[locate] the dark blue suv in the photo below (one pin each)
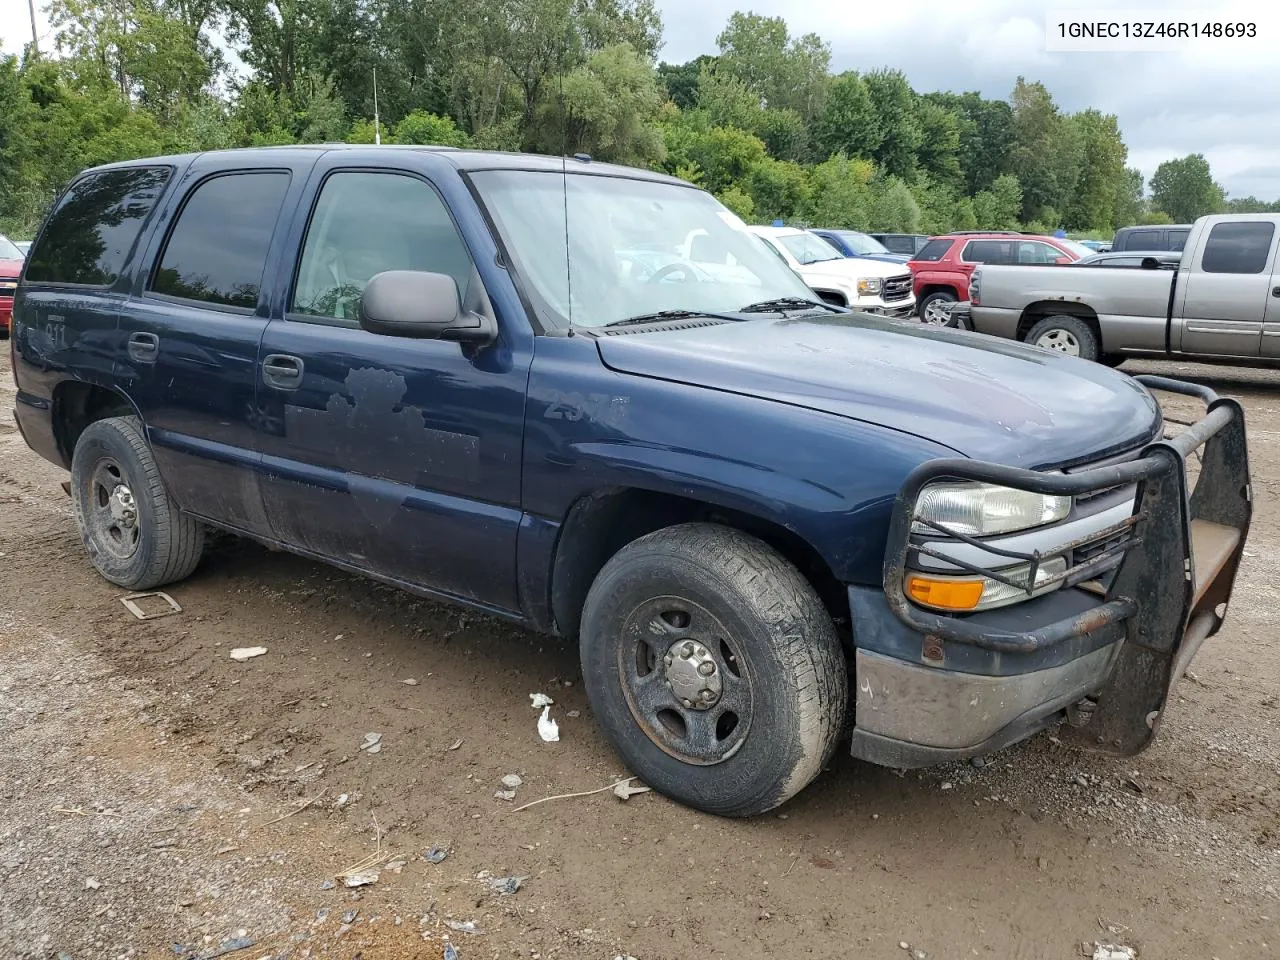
(587, 399)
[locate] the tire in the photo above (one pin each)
(934, 318)
(1112, 359)
(1064, 334)
(779, 667)
(136, 538)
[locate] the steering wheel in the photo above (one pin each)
(663, 272)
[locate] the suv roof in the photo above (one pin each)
(461, 158)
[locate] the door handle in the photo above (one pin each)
(144, 347)
(282, 371)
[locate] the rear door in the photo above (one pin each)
(391, 455)
(1225, 290)
(192, 326)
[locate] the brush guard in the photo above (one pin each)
(1177, 554)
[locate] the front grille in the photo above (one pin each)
(1128, 455)
(897, 288)
(1097, 548)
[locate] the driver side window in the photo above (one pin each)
(365, 223)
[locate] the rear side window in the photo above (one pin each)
(989, 251)
(217, 250)
(934, 250)
(1142, 240)
(1238, 248)
(93, 227)
(1178, 239)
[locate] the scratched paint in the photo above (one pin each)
(385, 445)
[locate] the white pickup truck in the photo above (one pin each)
(1223, 301)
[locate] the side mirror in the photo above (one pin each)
(1150, 263)
(413, 303)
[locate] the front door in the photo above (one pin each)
(1226, 289)
(191, 332)
(395, 456)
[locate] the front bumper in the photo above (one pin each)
(933, 687)
(897, 309)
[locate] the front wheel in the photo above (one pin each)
(713, 668)
(1065, 334)
(935, 309)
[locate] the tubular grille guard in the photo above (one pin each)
(1180, 556)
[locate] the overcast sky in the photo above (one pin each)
(1219, 99)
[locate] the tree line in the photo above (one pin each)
(763, 123)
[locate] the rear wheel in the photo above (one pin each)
(135, 536)
(713, 668)
(1065, 334)
(934, 310)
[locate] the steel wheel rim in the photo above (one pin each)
(685, 681)
(936, 314)
(113, 511)
(1063, 341)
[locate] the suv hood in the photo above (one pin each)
(983, 397)
(850, 269)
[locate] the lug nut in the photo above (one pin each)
(687, 703)
(701, 651)
(668, 660)
(686, 651)
(708, 695)
(706, 668)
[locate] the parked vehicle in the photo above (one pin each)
(867, 285)
(1097, 246)
(942, 269)
(854, 244)
(451, 371)
(908, 244)
(11, 259)
(1221, 299)
(1163, 237)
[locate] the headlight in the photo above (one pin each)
(869, 288)
(968, 592)
(983, 509)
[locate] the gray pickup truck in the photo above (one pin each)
(1223, 301)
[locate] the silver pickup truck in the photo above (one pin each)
(1223, 301)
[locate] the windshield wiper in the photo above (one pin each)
(788, 303)
(671, 315)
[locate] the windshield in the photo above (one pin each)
(809, 248)
(8, 251)
(635, 247)
(860, 243)
(1079, 249)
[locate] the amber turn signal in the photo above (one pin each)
(945, 594)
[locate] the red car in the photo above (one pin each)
(10, 267)
(942, 268)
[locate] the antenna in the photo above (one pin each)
(377, 128)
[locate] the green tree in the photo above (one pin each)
(785, 72)
(778, 189)
(1000, 207)
(848, 123)
(1048, 152)
(680, 80)
(609, 109)
(737, 200)
(939, 151)
(726, 155)
(840, 193)
(1129, 203)
(986, 136)
(893, 107)
(892, 206)
(1092, 205)
(428, 128)
(1185, 189)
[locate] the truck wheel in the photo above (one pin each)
(933, 308)
(1065, 334)
(713, 668)
(135, 537)
(1112, 359)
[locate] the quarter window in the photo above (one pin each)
(366, 223)
(933, 251)
(93, 227)
(217, 251)
(1242, 247)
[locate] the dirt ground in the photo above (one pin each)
(158, 799)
